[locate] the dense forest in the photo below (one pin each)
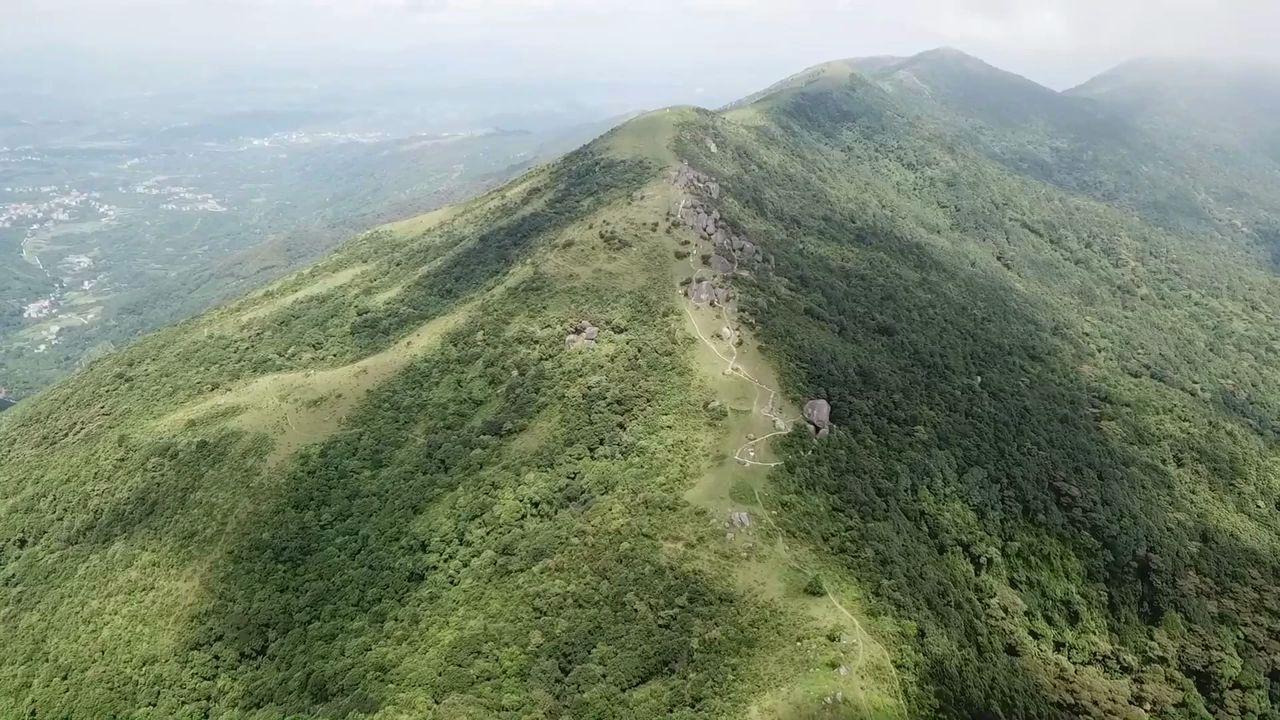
(395, 484)
(1057, 455)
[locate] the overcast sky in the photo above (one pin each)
(733, 45)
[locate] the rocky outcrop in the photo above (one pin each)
(693, 181)
(720, 264)
(584, 335)
(697, 188)
(818, 414)
(704, 292)
(701, 292)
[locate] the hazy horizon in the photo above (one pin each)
(704, 51)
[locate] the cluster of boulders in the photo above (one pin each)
(690, 180)
(818, 414)
(703, 292)
(584, 335)
(731, 249)
(739, 521)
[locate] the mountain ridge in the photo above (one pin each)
(1046, 487)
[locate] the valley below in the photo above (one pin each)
(102, 241)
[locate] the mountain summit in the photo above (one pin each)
(903, 389)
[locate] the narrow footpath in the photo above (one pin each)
(768, 404)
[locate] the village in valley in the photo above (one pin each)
(59, 231)
(149, 217)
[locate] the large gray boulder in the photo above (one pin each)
(701, 292)
(818, 413)
(720, 264)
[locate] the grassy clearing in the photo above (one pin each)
(320, 285)
(422, 223)
(300, 408)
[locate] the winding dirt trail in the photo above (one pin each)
(744, 452)
(863, 638)
(745, 456)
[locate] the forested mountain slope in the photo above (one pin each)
(539, 455)
(1235, 102)
(1221, 117)
(1189, 145)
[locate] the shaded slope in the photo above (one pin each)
(1188, 145)
(1071, 142)
(1034, 465)
(1220, 117)
(1236, 102)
